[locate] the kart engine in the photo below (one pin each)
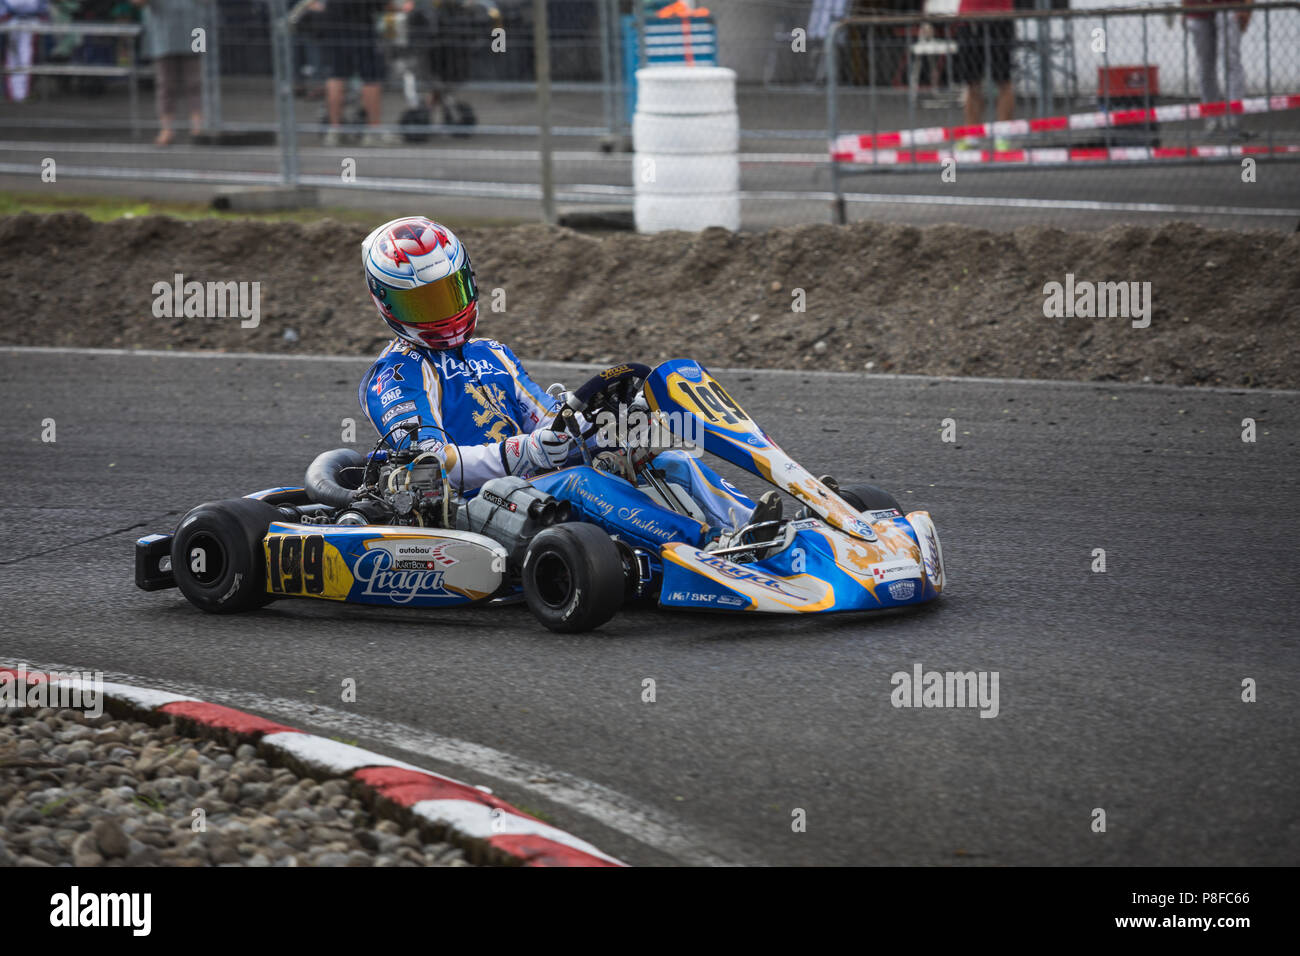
(410, 488)
(511, 512)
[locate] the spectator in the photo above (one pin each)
(446, 32)
(1216, 36)
(350, 47)
(21, 46)
(169, 39)
(984, 48)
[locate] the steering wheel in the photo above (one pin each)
(615, 386)
(605, 391)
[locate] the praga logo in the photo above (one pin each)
(381, 576)
(727, 569)
(453, 367)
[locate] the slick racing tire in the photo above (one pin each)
(870, 498)
(573, 577)
(217, 556)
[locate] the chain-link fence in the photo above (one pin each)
(439, 98)
(1102, 96)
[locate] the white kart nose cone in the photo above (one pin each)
(931, 550)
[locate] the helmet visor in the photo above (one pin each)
(433, 302)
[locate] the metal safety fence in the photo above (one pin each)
(1038, 91)
(838, 111)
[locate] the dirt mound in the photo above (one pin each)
(941, 300)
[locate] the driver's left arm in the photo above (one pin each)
(536, 408)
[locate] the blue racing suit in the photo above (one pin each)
(471, 399)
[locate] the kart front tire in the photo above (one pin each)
(573, 577)
(217, 556)
(866, 497)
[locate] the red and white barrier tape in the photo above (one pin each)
(1051, 155)
(843, 146)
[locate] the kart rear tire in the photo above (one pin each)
(869, 498)
(573, 577)
(232, 576)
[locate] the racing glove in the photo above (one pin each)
(538, 451)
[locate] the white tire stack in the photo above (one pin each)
(686, 132)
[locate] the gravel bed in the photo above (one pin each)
(107, 792)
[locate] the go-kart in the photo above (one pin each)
(576, 543)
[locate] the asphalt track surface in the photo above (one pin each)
(1117, 690)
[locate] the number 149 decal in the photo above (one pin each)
(712, 401)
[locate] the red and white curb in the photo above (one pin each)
(466, 815)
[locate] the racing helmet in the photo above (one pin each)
(420, 280)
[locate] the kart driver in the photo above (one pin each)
(420, 279)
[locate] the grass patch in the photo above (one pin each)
(533, 812)
(109, 208)
(150, 803)
(53, 805)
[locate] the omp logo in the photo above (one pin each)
(392, 395)
(730, 570)
(75, 909)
